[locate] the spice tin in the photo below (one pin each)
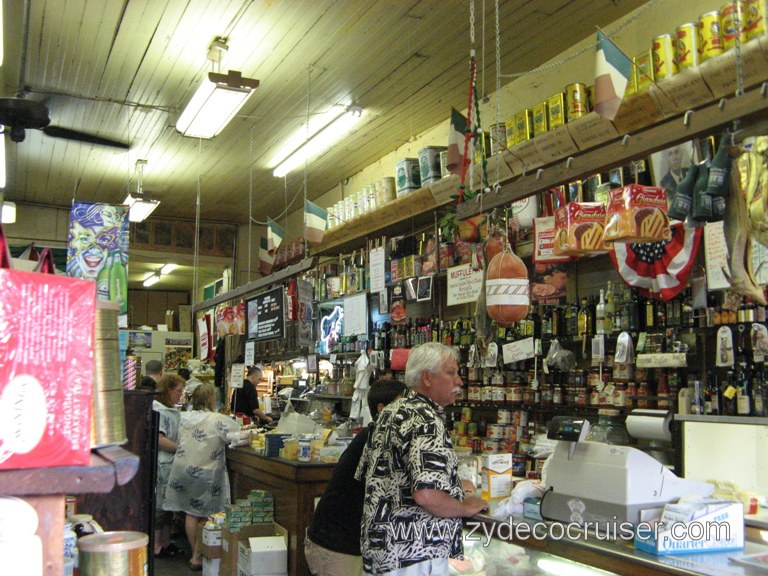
(444, 172)
(408, 176)
(757, 11)
(540, 118)
(510, 127)
(523, 125)
(305, 450)
(644, 70)
(429, 163)
(710, 38)
(687, 45)
(733, 23)
(576, 101)
(664, 64)
(556, 110)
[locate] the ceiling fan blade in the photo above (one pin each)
(59, 132)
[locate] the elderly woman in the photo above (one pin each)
(198, 484)
(169, 390)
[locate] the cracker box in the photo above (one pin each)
(210, 541)
(497, 475)
(46, 369)
(637, 214)
(579, 229)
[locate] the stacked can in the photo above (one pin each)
(107, 408)
(710, 39)
(733, 23)
(664, 64)
(687, 53)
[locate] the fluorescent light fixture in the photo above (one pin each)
(320, 141)
(139, 208)
(8, 210)
(168, 268)
(217, 100)
(151, 280)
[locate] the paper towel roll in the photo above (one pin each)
(649, 426)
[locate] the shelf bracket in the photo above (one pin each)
(625, 140)
(568, 162)
(764, 89)
(687, 117)
(721, 104)
(539, 172)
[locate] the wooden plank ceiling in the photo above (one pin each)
(124, 69)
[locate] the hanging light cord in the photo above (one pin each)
(195, 271)
(250, 198)
(306, 160)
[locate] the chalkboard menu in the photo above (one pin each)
(266, 316)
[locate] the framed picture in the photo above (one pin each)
(424, 289)
(670, 166)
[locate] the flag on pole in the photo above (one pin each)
(612, 70)
(275, 235)
(456, 131)
(266, 259)
(315, 221)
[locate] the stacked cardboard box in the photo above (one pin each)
(230, 544)
(257, 508)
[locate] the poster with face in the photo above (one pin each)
(97, 249)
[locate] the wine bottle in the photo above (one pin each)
(600, 314)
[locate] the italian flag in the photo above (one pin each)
(612, 70)
(266, 259)
(275, 235)
(315, 220)
(456, 131)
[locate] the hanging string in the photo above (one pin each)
(468, 132)
(250, 198)
(590, 48)
(482, 58)
(499, 145)
(195, 271)
(306, 160)
(283, 212)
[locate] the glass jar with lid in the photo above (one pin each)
(610, 428)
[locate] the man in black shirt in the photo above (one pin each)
(332, 545)
(245, 400)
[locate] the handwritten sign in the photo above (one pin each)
(720, 73)
(376, 270)
(518, 350)
(716, 256)
(524, 157)
(637, 111)
(555, 144)
(687, 89)
(250, 353)
(591, 130)
(266, 315)
(464, 284)
(356, 314)
(444, 190)
(237, 375)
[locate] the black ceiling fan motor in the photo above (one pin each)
(21, 113)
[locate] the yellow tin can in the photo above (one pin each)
(687, 45)
(540, 118)
(523, 125)
(576, 101)
(710, 39)
(757, 11)
(733, 23)
(663, 50)
(556, 110)
(498, 135)
(511, 134)
(483, 148)
(643, 69)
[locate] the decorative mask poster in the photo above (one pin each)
(97, 249)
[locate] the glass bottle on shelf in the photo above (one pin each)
(610, 309)
(600, 314)
(743, 379)
(711, 394)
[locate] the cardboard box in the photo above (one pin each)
(211, 535)
(209, 542)
(718, 526)
(230, 541)
(264, 554)
(497, 475)
(211, 566)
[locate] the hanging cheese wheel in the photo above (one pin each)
(507, 290)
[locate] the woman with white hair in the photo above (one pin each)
(411, 474)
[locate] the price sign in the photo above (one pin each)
(266, 315)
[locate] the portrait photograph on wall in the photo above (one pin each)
(670, 166)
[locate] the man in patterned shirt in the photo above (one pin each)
(414, 501)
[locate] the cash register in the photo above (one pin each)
(595, 482)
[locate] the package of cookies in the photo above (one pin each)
(637, 214)
(579, 229)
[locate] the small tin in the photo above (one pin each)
(687, 45)
(643, 70)
(444, 172)
(510, 127)
(504, 417)
(483, 148)
(576, 101)
(389, 188)
(408, 176)
(664, 64)
(523, 125)
(556, 110)
(429, 163)
(540, 118)
(305, 450)
(491, 446)
(733, 23)
(497, 431)
(498, 134)
(757, 11)
(710, 38)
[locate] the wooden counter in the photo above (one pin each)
(295, 486)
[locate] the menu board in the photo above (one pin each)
(266, 315)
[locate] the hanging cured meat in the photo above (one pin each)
(507, 288)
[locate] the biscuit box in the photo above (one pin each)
(579, 229)
(637, 214)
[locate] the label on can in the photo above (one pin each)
(710, 40)
(491, 446)
(576, 102)
(504, 417)
(733, 23)
(510, 127)
(757, 10)
(466, 414)
(687, 45)
(540, 125)
(519, 465)
(305, 450)
(663, 57)
(556, 110)
(523, 125)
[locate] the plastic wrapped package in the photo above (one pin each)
(513, 505)
(46, 369)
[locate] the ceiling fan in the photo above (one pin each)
(19, 115)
